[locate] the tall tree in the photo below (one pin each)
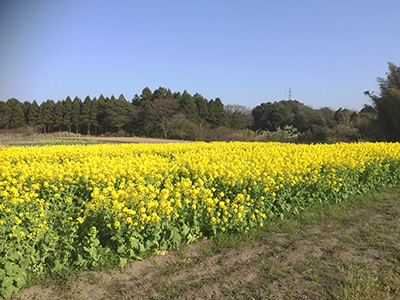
(220, 113)
(17, 118)
(122, 98)
(5, 115)
(202, 108)
(34, 117)
(162, 93)
(67, 114)
(85, 115)
(58, 116)
(94, 112)
(47, 111)
(387, 103)
(26, 107)
(102, 114)
(76, 114)
(118, 113)
(189, 106)
(211, 118)
(159, 115)
(136, 100)
(146, 97)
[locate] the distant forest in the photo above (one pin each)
(169, 115)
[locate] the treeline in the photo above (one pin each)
(162, 113)
(291, 120)
(184, 116)
(154, 114)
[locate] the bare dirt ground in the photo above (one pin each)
(350, 254)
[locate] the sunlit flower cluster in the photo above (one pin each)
(133, 197)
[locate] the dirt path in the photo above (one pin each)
(352, 254)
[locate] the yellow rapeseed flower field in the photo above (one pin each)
(77, 205)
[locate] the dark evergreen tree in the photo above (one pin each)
(26, 108)
(146, 97)
(58, 116)
(211, 112)
(136, 100)
(122, 98)
(17, 118)
(189, 106)
(85, 115)
(102, 114)
(101, 98)
(76, 114)
(94, 112)
(34, 117)
(67, 114)
(118, 113)
(202, 108)
(177, 97)
(5, 115)
(47, 109)
(137, 121)
(220, 113)
(162, 93)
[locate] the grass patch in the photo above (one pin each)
(54, 143)
(361, 281)
(272, 271)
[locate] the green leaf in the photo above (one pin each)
(93, 254)
(185, 229)
(123, 262)
(163, 245)
(175, 236)
(10, 268)
(2, 274)
(149, 244)
(14, 255)
(141, 248)
(58, 267)
(9, 290)
(131, 253)
(8, 281)
(135, 244)
(121, 249)
(20, 280)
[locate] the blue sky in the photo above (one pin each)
(244, 52)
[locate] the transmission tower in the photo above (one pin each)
(290, 94)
